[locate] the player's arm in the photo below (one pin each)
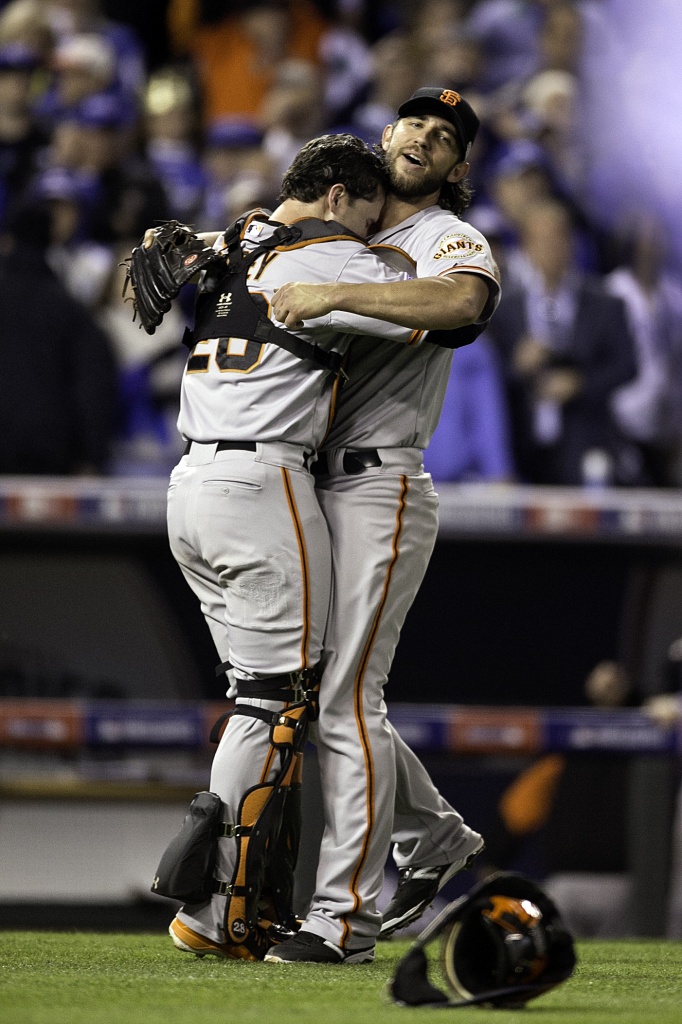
(428, 303)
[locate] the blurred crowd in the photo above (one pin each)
(114, 116)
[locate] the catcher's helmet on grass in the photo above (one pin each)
(502, 944)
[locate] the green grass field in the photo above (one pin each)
(82, 978)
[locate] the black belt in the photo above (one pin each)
(354, 462)
(225, 446)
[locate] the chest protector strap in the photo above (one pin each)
(225, 307)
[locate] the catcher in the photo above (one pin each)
(244, 523)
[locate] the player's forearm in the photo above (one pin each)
(431, 303)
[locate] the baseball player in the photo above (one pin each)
(382, 513)
(244, 522)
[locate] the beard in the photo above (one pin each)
(405, 187)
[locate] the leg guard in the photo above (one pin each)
(283, 854)
(256, 894)
(185, 871)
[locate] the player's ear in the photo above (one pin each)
(386, 136)
(458, 172)
(334, 196)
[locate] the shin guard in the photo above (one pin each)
(261, 889)
(283, 854)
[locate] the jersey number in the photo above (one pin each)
(232, 355)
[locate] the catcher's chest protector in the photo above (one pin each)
(226, 309)
(224, 306)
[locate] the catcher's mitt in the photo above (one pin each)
(158, 273)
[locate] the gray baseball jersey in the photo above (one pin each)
(394, 396)
(383, 523)
(247, 391)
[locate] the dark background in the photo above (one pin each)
(502, 622)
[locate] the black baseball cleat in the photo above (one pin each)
(306, 948)
(418, 888)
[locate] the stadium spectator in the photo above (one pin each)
(518, 179)
(539, 105)
(396, 71)
(26, 22)
(22, 141)
(69, 18)
(647, 409)
(565, 347)
(508, 32)
(560, 40)
(115, 188)
(236, 48)
(149, 370)
(346, 61)
(550, 99)
(84, 67)
(520, 173)
(81, 263)
(57, 401)
(292, 112)
(238, 173)
(457, 61)
(94, 141)
(173, 139)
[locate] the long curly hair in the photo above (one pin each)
(456, 196)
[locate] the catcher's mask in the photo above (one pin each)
(502, 944)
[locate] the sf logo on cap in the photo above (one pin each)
(450, 97)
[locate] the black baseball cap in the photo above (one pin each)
(448, 104)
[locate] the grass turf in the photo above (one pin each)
(79, 978)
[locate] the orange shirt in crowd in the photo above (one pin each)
(234, 74)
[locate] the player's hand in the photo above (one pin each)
(296, 301)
